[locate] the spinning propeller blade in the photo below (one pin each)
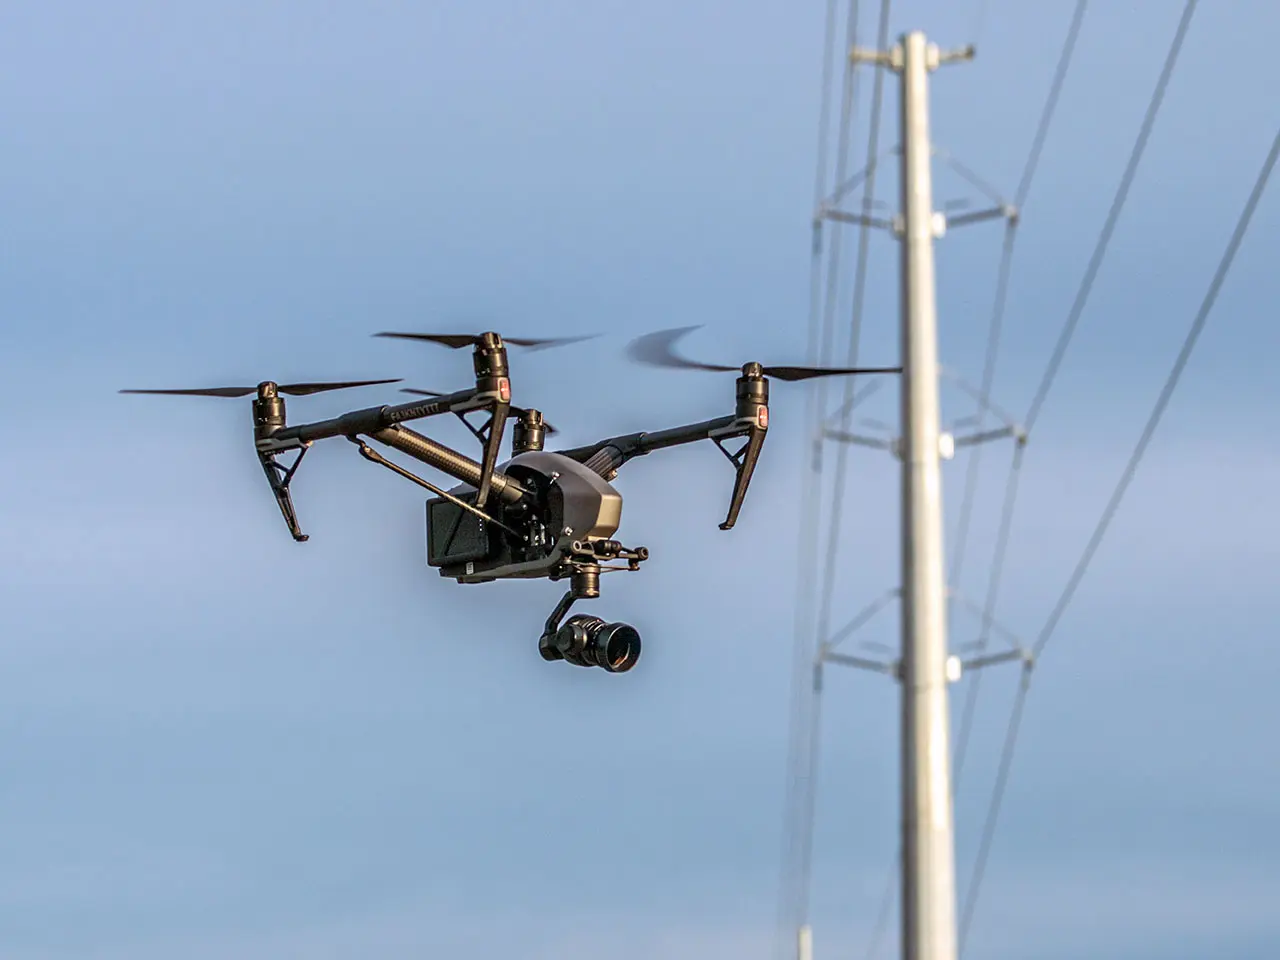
(457, 341)
(292, 389)
(657, 350)
(512, 413)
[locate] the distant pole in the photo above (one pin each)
(928, 853)
(928, 892)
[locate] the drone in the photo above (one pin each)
(540, 514)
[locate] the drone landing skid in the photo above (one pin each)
(280, 476)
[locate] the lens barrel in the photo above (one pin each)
(588, 641)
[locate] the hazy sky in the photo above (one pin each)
(218, 743)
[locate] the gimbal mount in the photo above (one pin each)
(588, 641)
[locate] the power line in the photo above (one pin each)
(859, 297)
(1162, 402)
(1011, 487)
(993, 811)
(811, 796)
(989, 609)
(994, 327)
(993, 342)
(1055, 91)
(882, 915)
(842, 455)
(979, 23)
(1068, 593)
(824, 127)
(1113, 216)
(801, 809)
(807, 724)
(970, 493)
(848, 97)
(799, 780)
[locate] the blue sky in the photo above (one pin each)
(220, 743)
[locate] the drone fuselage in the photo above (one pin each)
(540, 515)
(568, 510)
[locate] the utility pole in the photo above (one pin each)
(928, 838)
(928, 851)
(924, 667)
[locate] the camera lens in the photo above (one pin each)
(590, 642)
(617, 647)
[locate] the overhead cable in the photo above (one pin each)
(1108, 513)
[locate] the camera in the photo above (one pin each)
(587, 641)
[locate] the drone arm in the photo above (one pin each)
(689, 434)
(375, 421)
(493, 394)
(448, 461)
(607, 456)
(368, 421)
(750, 419)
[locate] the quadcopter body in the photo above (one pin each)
(539, 515)
(568, 512)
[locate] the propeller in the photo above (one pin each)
(457, 341)
(292, 389)
(656, 349)
(512, 412)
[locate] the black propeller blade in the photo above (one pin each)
(513, 412)
(292, 389)
(457, 341)
(657, 350)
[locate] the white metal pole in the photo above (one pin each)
(928, 855)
